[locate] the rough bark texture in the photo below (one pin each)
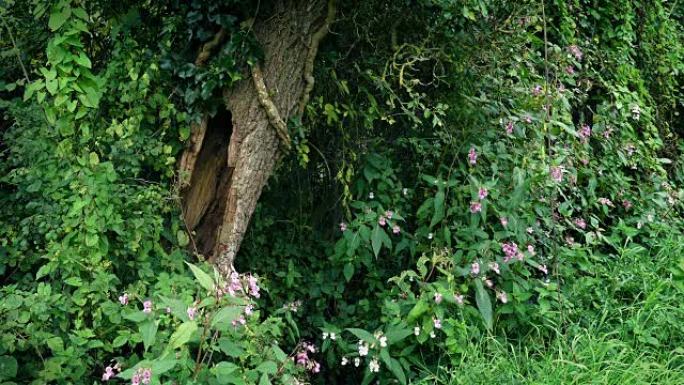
(220, 199)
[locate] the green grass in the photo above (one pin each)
(585, 359)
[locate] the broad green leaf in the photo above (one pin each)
(376, 239)
(362, 334)
(348, 271)
(161, 366)
(203, 278)
(418, 309)
(8, 367)
(264, 380)
(484, 303)
(57, 19)
(230, 348)
(397, 370)
(148, 331)
(225, 316)
(83, 60)
(182, 335)
(183, 238)
(439, 207)
(223, 369)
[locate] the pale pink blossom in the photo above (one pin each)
(475, 268)
(472, 156)
(493, 266)
(438, 298)
(482, 193)
(123, 299)
(147, 307)
(475, 207)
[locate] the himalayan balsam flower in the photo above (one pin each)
(489, 283)
(363, 349)
(249, 310)
(530, 249)
(458, 298)
(146, 376)
(344, 361)
(396, 229)
(543, 269)
(147, 307)
(382, 221)
(430, 235)
(389, 214)
(636, 112)
(108, 373)
(482, 194)
(537, 90)
(472, 156)
(404, 191)
(192, 311)
(509, 127)
(371, 195)
(383, 341)
(374, 366)
(530, 230)
(570, 70)
(416, 330)
(557, 174)
(253, 287)
(579, 222)
(437, 322)
(168, 310)
(333, 336)
(493, 266)
(527, 119)
(584, 161)
(510, 250)
(605, 202)
(475, 207)
(343, 227)
(576, 52)
(438, 298)
(475, 268)
(626, 204)
(135, 380)
(123, 299)
(502, 296)
(585, 132)
(432, 334)
(504, 221)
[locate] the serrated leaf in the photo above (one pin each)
(268, 367)
(376, 239)
(484, 304)
(225, 316)
(418, 309)
(182, 335)
(203, 278)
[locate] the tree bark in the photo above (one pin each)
(219, 201)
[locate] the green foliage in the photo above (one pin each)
(493, 195)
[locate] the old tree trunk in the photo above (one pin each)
(232, 155)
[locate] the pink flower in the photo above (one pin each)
(537, 90)
(527, 119)
(489, 283)
(123, 299)
(482, 194)
(543, 269)
(253, 287)
(576, 52)
(438, 298)
(389, 214)
(249, 309)
(557, 174)
(472, 156)
(109, 373)
(579, 222)
(510, 250)
(570, 70)
(607, 132)
(504, 221)
(509, 127)
(396, 229)
(475, 268)
(458, 298)
(530, 249)
(168, 310)
(475, 207)
(502, 296)
(343, 227)
(147, 307)
(135, 380)
(302, 358)
(569, 240)
(437, 322)
(316, 367)
(606, 202)
(191, 313)
(626, 204)
(585, 132)
(382, 221)
(493, 266)
(146, 376)
(584, 161)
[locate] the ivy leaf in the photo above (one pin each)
(182, 335)
(484, 303)
(203, 278)
(148, 331)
